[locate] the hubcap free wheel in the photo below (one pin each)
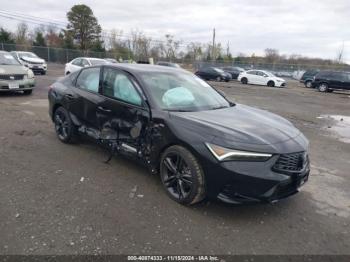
(177, 177)
(61, 125)
(308, 84)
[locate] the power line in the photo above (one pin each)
(61, 25)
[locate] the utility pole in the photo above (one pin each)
(213, 51)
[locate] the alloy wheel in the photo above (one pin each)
(61, 125)
(323, 87)
(177, 176)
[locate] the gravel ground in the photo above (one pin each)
(63, 199)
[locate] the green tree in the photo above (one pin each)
(6, 37)
(39, 39)
(84, 26)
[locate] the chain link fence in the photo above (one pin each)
(61, 55)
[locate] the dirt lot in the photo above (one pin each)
(62, 199)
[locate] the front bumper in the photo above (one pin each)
(281, 84)
(238, 182)
(37, 68)
(25, 84)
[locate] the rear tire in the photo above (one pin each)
(323, 87)
(271, 83)
(65, 129)
(308, 84)
(182, 176)
(28, 92)
(244, 81)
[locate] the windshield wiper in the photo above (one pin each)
(218, 107)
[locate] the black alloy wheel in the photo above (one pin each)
(182, 176)
(64, 126)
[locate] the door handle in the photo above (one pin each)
(69, 97)
(104, 109)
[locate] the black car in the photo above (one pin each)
(327, 81)
(308, 77)
(213, 73)
(201, 144)
(234, 71)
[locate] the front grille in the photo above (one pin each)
(293, 162)
(11, 77)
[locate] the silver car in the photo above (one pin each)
(14, 76)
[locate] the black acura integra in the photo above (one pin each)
(201, 144)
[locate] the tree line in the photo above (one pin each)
(83, 32)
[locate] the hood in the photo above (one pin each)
(241, 124)
(32, 60)
(13, 70)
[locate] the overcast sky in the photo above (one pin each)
(311, 28)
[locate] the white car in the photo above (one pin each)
(260, 77)
(80, 62)
(31, 60)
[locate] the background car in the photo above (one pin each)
(260, 77)
(14, 76)
(308, 77)
(80, 62)
(213, 73)
(201, 144)
(162, 63)
(31, 60)
(233, 70)
(327, 81)
(111, 60)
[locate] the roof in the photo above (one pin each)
(139, 68)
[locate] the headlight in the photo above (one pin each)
(30, 74)
(227, 154)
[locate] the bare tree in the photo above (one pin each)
(271, 55)
(340, 55)
(170, 47)
(194, 50)
(22, 34)
(140, 45)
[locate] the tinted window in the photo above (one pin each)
(88, 79)
(117, 85)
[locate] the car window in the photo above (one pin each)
(84, 62)
(251, 72)
(77, 62)
(117, 85)
(259, 73)
(88, 79)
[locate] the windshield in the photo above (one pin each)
(219, 70)
(98, 62)
(27, 54)
(269, 73)
(7, 59)
(182, 92)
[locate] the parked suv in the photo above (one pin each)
(308, 77)
(31, 60)
(326, 81)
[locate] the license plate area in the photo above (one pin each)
(13, 85)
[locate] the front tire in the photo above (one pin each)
(65, 129)
(244, 81)
(182, 176)
(28, 92)
(270, 84)
(323, 87)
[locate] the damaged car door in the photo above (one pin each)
(123, 114)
